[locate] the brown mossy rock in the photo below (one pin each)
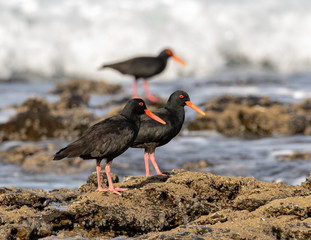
(33, 122)
(69, 100)
(87, 86)
(17, 154)
(181, 205)
(36, 119)
(43, 163)
(75, 121)
(253, 117)
(196, 165)
(165, 202)
(39, 159)
(295, 156)
(16, 198)
(292, 221)
(27, 214)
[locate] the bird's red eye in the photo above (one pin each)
(141, 104)
(181, 96)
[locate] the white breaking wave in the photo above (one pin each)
(74, 37)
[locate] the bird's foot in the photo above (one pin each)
(116, 190)
(152, 98)
(148, 175)
(159, 173)
(100, 189)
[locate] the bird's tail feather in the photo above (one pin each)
(102, 67)
(73, 150)
(60, 154)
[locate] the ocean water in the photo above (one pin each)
(237, 47)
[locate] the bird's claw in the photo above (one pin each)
(115, 190)
(100, 189)
(161, 174)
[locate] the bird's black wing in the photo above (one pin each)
(106, 139)
(157, 134)
(140, 67)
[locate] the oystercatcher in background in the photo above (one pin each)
(152, 135)
(108, 139)
(144, 67)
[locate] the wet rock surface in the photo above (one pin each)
(33, 121)
(36, 119)
(87, 86)
(187, 205)
(295, 156)
(34, 158)
(254, 117)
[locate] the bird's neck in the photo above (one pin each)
(133, 118)
(178, 110)
(164, 57)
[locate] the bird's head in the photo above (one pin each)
(182, 98)
(137, 106)
(167, 53)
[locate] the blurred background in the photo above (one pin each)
(55, 38)
(236, 47)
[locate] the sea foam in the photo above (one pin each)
(54, 37)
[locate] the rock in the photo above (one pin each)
(33, 121)
(70, 100)
(87, 86)
(26, 214)
(196, 165)
(295, 156)
(16, 155)
(37, 159)
(253, 117)
(262, 223)
(182, 205)
(15, 198)
(36, 119)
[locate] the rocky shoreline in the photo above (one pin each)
(187, 205)
(254, 117)
(181, 205)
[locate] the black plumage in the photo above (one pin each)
(144, 67)
(153, 135)
(108, 139)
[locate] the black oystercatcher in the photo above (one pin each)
(152, 135)
(108, 139)
(144, 67)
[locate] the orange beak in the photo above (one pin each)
(179, 60)
(153, 116)
(194, 107)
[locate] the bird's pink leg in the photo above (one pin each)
(149, 95)
(111, 188)
(152, 158)
(98, 169)
(134, 89)
(146, 157)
